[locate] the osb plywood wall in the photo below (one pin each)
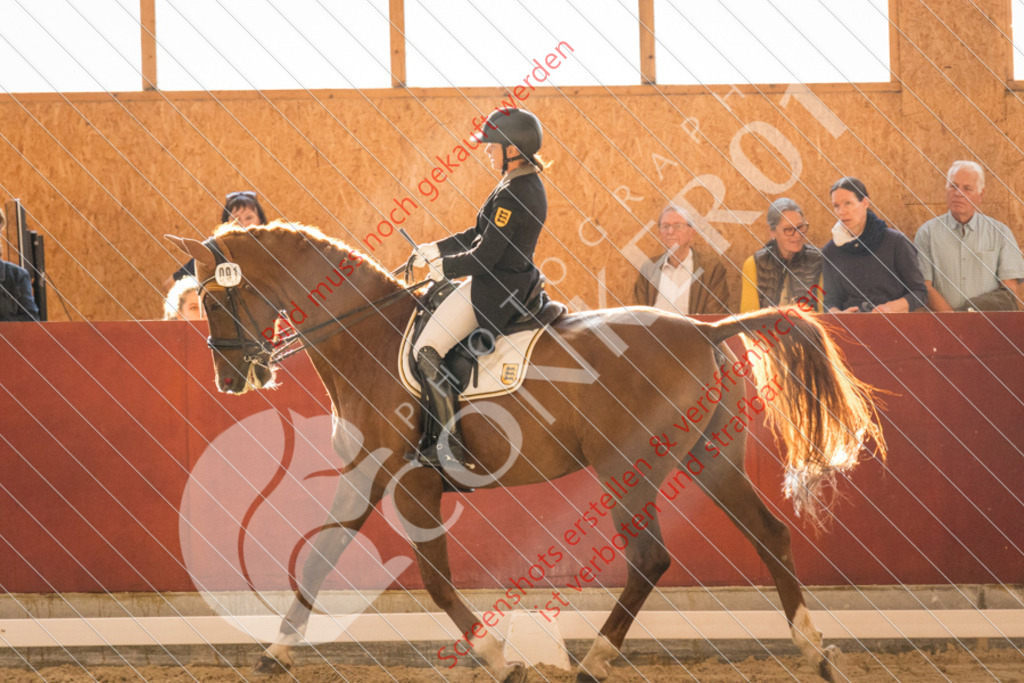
(104, 178)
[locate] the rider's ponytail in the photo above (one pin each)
(540, 162)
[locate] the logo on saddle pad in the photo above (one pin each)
(500, 372)
(501, 217)
(509, 372)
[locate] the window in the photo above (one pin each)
(457, 43)
(272, 44)
(69, 45)
(1017, 18)
(771, 41)
(94, 45)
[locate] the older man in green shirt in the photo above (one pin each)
(969, 260)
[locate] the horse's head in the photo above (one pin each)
(254, 279)
(240, 308)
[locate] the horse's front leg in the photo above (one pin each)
(355, 499)
(418, 500)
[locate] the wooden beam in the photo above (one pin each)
(647, 66)
(147, 22)
(896, 74)
(6, 99)
(397, 13)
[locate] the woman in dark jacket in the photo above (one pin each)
(497, 256)
(868, 265)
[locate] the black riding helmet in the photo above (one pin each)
(512, 126)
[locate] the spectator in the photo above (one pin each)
(182, 302)
(788, 267)
(868, 265)
(17, 303)
(239, 207)
(684, 279)
(969, 261)
(242, 208)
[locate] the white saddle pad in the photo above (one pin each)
(500, 372)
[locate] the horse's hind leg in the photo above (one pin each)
(648, 560)
(418, 501)
(725, 481)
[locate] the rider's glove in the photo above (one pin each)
(429, 252)
(436, 271)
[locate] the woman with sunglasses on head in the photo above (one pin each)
(240, 208)
(243, 209)
(787, 268)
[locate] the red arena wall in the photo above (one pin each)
(124, 470)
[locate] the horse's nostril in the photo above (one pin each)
(228, 381)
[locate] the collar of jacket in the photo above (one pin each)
(698, 258)
(869, 239)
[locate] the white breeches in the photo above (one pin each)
(452, 322)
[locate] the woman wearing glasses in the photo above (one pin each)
(787, 268)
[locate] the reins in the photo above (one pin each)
(301, 337)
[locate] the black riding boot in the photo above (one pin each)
(442, 442)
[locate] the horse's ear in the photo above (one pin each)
(195, 249)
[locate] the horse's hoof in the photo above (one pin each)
(516, 673)
(583, 677)
(827, 666)
(269, 666)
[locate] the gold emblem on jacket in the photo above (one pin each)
(501, 216)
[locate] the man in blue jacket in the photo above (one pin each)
(16, 300)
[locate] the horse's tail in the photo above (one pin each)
(823, 414)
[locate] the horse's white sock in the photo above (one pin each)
(597, 663)
(805, 636)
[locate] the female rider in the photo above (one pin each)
(496, 255)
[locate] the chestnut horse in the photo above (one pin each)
(644, 367)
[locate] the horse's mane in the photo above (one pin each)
(325, 244)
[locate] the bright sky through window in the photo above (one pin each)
(94, 45)
(458, 43)
(770, 41)
(69, 45)
(272, 45)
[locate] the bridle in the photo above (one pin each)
(255, 349)
(264, 352)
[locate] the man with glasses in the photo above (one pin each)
(788, 267)
(969, 261)
(684, 279)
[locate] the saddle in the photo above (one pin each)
(480, 365)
